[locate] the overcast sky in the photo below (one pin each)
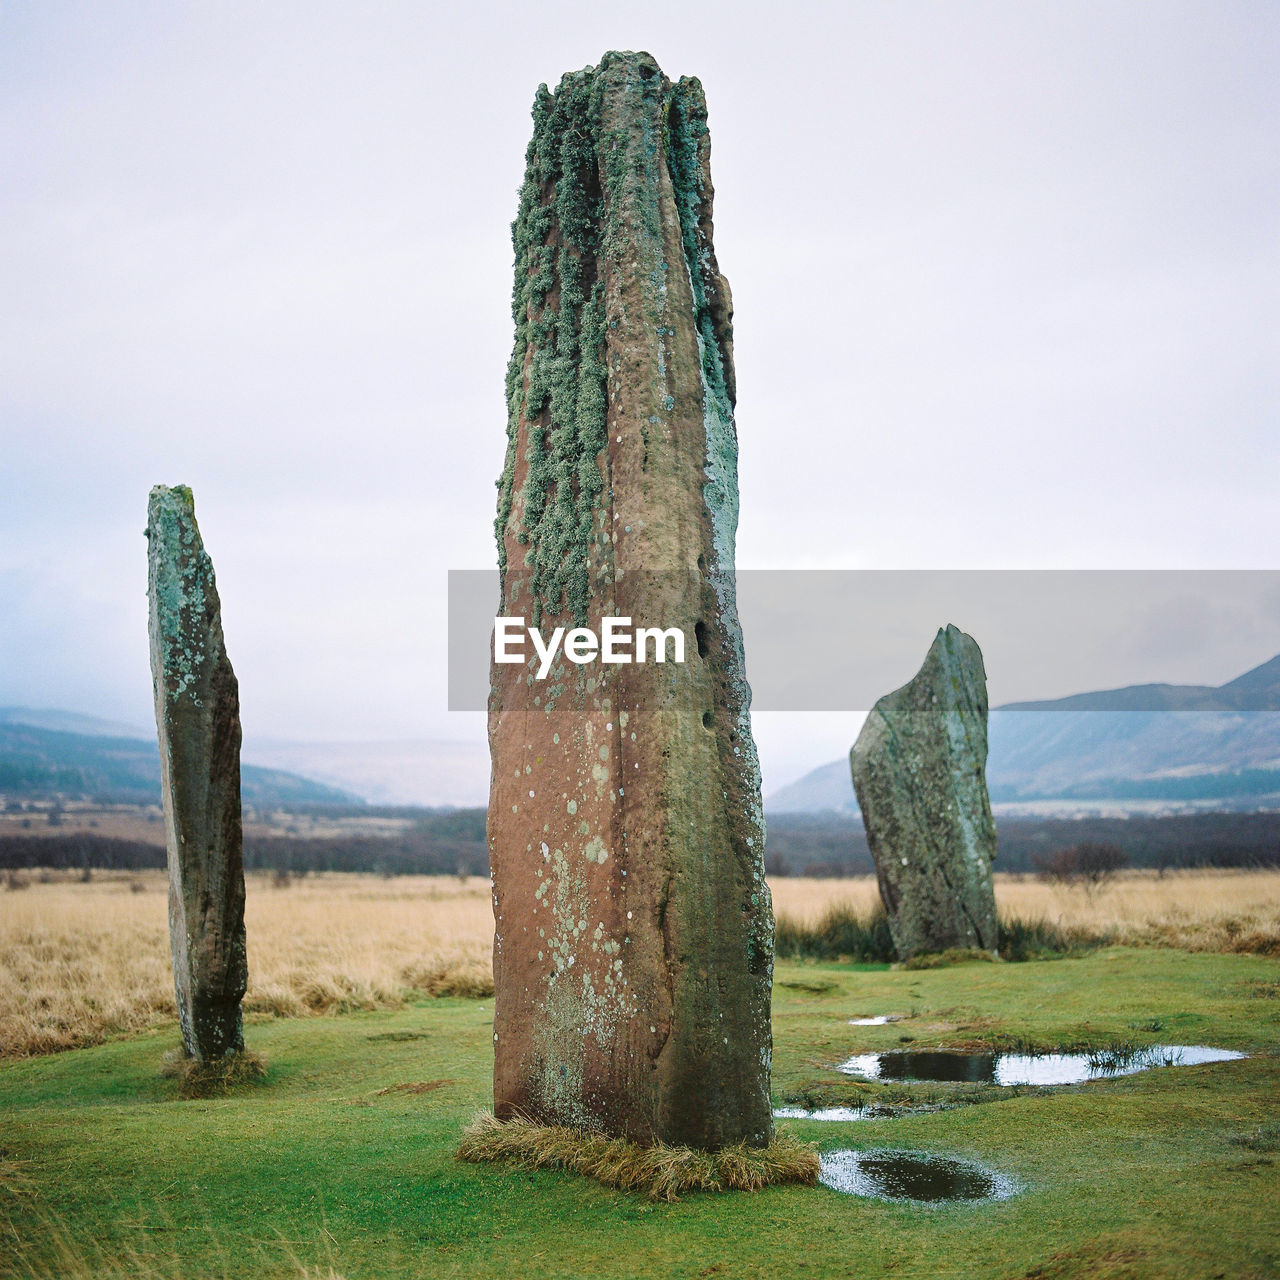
(1004, 278)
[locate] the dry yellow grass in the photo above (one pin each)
(1214, 910)
(82, 962)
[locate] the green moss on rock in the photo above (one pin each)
(556, 378)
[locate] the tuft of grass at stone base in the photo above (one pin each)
(660, 1172)
(213, 1079)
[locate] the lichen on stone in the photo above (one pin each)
(182, 586)
(556, 376)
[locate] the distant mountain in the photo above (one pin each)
(36, 760)
(70, 722)
(1179, 745)
(828, 788)
(403, 772)
(1255, 691)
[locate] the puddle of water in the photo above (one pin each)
(824, 1113)
(880, 1020)
(1027, 1069)
(911, 1175)
(874, 1111)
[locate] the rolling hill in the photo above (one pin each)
(97, 759)
(1179, 745)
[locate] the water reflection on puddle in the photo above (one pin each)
(880, 1020)
(911, 1175)
(1027, 1069)
(873, 1111)
(825, 1113)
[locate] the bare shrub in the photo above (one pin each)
(1097, 863)
(1089, 864)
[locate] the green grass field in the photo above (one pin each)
(322, 1171)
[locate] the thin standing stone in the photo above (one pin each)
(198, 721)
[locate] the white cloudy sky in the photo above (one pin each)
(1005, 279)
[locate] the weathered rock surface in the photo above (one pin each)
(919, 771)
(633, 954)
(198, 722)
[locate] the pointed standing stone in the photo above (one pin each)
(198, 722)
(919, 770)
(633, 954)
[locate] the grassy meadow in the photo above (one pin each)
(340, 1163)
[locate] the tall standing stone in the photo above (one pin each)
(198, 722)
(919, 771)
(633, 954)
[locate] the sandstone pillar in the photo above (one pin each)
(198, 722)
(633, 953)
